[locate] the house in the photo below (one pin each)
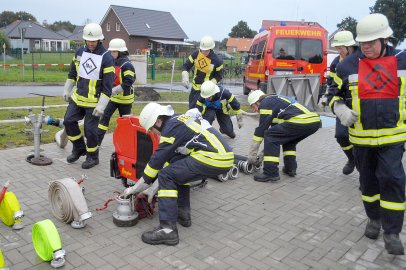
(33, 36)
(76, 37)
(145, 30)
(238, 44)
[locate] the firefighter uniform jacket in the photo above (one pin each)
(124, 76)
(375, 89)
(332, 73)
(206, 68)
(183, 132)
(276, 109)
(222, 101)
(93, 73)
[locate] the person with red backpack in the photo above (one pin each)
(122, 94)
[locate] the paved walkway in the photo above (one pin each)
(313, 221)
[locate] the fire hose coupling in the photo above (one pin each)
(57, 122)
(18, 220)
(245, 166)
(233, 172)
(125, 215)
(47, 243)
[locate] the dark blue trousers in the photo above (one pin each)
(382, 180)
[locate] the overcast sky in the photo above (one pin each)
(199, 18)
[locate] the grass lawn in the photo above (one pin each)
(15, 134)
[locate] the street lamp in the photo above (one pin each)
(22, 31)
(4, 56)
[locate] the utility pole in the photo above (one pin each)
(22, 34)
(4, 56)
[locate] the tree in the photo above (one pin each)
(349, 24)
(223, 44)
(25, 16)
(395, 11)
(59, 25)
(7, 17)
(4, 40)
(241, 30)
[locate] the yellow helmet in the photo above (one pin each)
(254, 96)
(151, 112)
(372, 27)
(343, 38)
(209, 89)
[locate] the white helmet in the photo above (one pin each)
(372, 27)
(343, 38)
(92, 32)
(151, 112)
(207, 43)
(209, 89)
(254, 96)
(117, 44)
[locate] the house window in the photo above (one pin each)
(117, 26)
(108, 27)
(150, 46)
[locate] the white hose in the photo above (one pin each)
(67, 201)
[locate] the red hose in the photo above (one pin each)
(106, 203)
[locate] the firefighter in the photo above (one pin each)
(369, 99)
(204, 154)
(215, 102)
(282, 122)
(122, 94)
(88, 90)
(207, 66)
(345, 44)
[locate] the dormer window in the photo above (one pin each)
(117, 26)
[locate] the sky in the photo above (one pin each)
(199, 18)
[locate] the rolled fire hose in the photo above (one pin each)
(68, 203)
(10, 211)
(2, 262)
(47, 243)
(61, 138)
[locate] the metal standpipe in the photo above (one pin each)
(36, 122)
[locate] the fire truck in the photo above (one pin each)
(286, 50)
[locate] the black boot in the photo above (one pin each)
(90, 163)
(166, 234)
(75, 155)
(349, 167)
(184, 218)
(261, 177)
(393, 244)
(291, 173)
(373, 228)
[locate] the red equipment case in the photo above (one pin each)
(133, 149)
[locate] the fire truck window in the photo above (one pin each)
(253, 52)
(311, 51)
(260, 50)
(285, 49)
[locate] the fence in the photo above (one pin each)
(54, 66)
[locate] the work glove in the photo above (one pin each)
(185, 79)
(252, 155)
(139, 186)
(347, 116)
(322, 102)
(151, 191)
(260, 157)
(239, 120)
(116, 90)
(68, 89)
(101, 105)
